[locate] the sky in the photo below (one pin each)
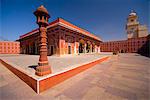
(104, 18)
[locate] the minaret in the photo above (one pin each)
(132, 25)
(42, 16)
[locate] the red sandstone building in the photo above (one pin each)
(124, 46)
(137, 42)
(63, 38)
(8, 47)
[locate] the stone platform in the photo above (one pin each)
(62, 67)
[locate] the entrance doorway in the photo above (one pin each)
(122, 51)
(51, 50)
(27, 49)
(69, 49)
(81, 48)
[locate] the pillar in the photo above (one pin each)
(91, 48)
(43, 66)
(75, 49)
(85, 48)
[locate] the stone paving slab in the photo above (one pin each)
(27, 63)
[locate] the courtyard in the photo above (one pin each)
(28, 63)
(121, 77)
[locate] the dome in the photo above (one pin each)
(42, 9)
(133, 13)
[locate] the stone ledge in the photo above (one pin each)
(40, 85)
(23, 76)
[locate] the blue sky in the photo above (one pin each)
(105, 18)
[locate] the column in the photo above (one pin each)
(43, 67)
(85, 48)
(75, 44)
(99, 49)
(91, 48)
(95, 49)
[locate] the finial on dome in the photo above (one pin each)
(42, 6)
(132, 11)
(42, 10)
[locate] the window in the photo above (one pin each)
(45, 18)
(143, 41)
(40, 17)
(132, 29)
(132, 20)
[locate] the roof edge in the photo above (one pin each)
(59, 19)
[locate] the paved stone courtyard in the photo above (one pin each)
(27, 63)
(123, 77)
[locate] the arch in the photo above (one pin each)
(81, 46)
(88, 47)
(93, 47)
(51, 46)
(82, 41)
(122, 51)
(88, 42)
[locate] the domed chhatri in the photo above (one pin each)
(41, 10)
(42, 16)
(133, 13)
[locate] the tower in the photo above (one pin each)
(132, 25)
(42, 16)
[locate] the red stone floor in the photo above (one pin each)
(123, 77)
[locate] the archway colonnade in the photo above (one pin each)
(79, 46)
(86, 47)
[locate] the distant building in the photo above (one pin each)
(63, 38)
(124, 46)
(133, 27)
(138, 38)
(9, 47)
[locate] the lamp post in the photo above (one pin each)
(42, 16)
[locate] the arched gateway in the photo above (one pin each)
(63, 38)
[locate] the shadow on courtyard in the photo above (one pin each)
(33, 66)
(145, 49)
